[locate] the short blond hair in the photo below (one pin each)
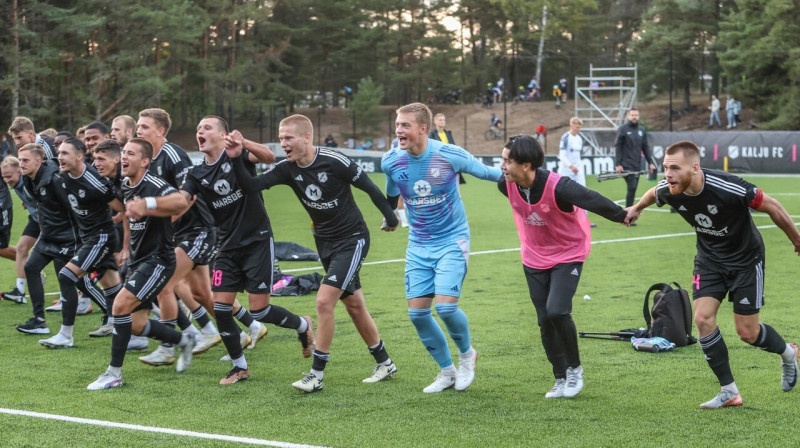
(11, 161)
(160, 116)
(300, 122)
(420, 111)
(21, 124)
(127, 121)
(576, 120)
(49, 132)
(36, 149)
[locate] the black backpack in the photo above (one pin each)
(671, 314)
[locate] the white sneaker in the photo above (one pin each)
(84, 306)
(381, 372)
(723, 399)
(162, 356)
(56, 307)
(105, 381)
(205, 342)
(309, 383)
(466, 371)
(185, 358)
(442, 381)
(256, 335)
(103, 331)
(789, 374)
(558, 389)
(57, 341)
(244, 340)
(574, 381)
(138, 343)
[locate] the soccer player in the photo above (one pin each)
(89, 196)
(23, 133)
(245, 257)
(57, 235)
(425, 172)
(554, 231)
(150, 204)
(6, 219)
(107, 155)
(123, 128)
(321, 179)
(195, 238)
(95, 133)
(729, 260)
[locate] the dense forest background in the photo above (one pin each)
(66, 63)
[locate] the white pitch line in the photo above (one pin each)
(176, 432)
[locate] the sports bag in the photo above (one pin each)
(671, 315)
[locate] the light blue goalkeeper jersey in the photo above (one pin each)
(428, 184)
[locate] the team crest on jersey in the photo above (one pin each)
(72, 201)
(222, 187)
(226, 167)
(435, 172)
(160, 172)
(323, 177)
(42, 191)
(313, 192)
(422, 188)
(703, 220)
(712, 209)
(81, 193)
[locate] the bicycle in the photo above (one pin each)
(482, 102)
(493, 133)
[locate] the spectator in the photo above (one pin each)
(330, 142)
(737, 111)
(714, 108)
(564, 86)
(5, 149)
(557, 95)
(730, 106)
(498, 91)
(541, 135)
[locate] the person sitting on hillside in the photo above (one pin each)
(330, 142)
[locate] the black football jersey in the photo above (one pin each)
(323, 188)
(727, 237)
(56, 224)
(150, 235)
(240, 218)
(172, 164)
(88, 196)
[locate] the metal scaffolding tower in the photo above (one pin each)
(603, 98)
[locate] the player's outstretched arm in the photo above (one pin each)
(364, 183)
(781, 218)
(249, 183)
(635, 210)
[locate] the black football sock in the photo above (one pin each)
(717, 356)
